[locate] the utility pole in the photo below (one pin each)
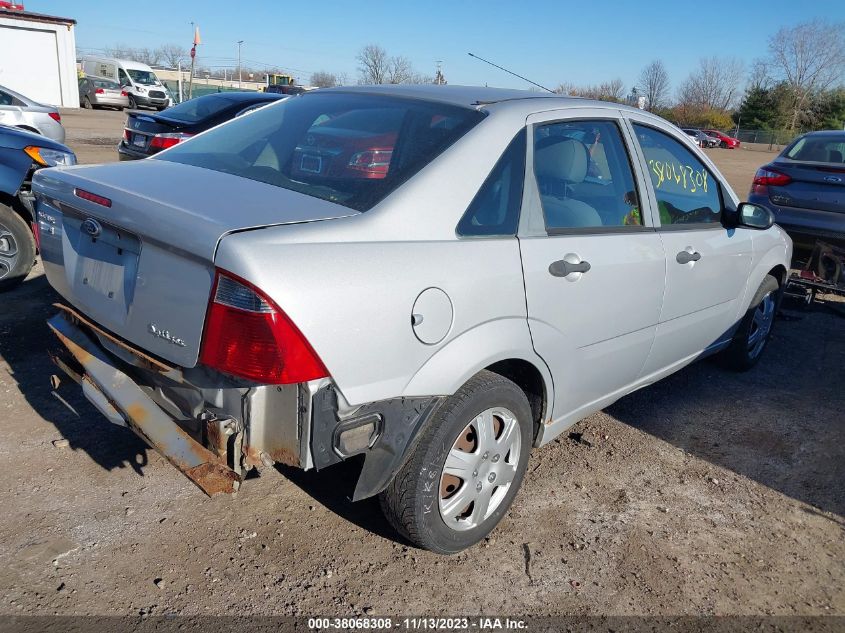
(193, 59)
(239, 63)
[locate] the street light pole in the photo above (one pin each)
(239, 63)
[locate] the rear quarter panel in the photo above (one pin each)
(353, 301)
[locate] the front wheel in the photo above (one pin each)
(133, 105)
(755, 329)
(463, 474)
(17, 248)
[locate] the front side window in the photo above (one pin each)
(584, 176)
(351, 149)
(686, 191)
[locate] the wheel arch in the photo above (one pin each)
(527, 377)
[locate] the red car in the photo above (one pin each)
(728, 142)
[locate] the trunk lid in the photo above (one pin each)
(143, 267)
(817, 186)
(141, 127)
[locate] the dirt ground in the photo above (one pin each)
(708, 493)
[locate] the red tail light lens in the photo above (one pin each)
(767, 177)
(248, 335)
(163, 141)
(372, 163)
(92, 197)
(99, 91)
(127, 135)
(55, 116)
(123, 93)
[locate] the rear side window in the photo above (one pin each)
(351, 149)
(495, 208)
(686, 191)
(584, 176)
(8, 100)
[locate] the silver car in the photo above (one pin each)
(22, 112)
(99, 92)
(436, 278)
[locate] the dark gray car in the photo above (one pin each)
(805, 188)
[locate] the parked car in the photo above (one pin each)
(98, 92)
(805, 188)
(438, 320)
(142, 86)
(701, 138)
(146, 134)
(21, 154)
(725, 141)
(19, 111)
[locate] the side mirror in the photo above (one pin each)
(754, 216)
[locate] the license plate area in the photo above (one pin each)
(311, 163)
(102, 268)
(139, 140)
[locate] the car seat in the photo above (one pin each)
(563, 161)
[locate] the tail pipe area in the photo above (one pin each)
(122, 401)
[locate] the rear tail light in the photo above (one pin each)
(92, 197)
(767, 177)
(99, 91)
(127, 134)
(36, 233)
(163, 141)
(123, 93)
(372, 163)
(248, 335)
(55, 116)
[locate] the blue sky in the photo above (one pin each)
(549, 42)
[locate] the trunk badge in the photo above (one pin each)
(92, 227)
(156, 331)
(832, 179)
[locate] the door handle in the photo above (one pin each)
(563, 268)
(685, 257)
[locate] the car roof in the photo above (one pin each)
(824, 133)
(470, 96)
(18, 95)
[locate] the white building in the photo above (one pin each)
(38, 57)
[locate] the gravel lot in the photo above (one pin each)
(708, 493)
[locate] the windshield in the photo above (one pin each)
(198, 109)
(143, 77)
(352, 149)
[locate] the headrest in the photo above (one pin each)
(565, 159)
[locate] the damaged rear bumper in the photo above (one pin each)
(121, 400)
(214, 429)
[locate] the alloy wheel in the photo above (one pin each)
(8, 252)
(761, 325)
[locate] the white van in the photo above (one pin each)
(140, 82)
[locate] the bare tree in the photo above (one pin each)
(400, 71)
(323, 79)
(373, 65)
(148, 56)
(654, 85)
(760, 77)
(173, 55)
(612, 90)
(810, 57)
(714, 85)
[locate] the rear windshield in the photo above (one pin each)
(198, 109)
(351, 149)
(106, 84)
(830, 149)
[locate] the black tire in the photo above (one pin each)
(160, 108)
(743, 353)
(86, 103)
(133, 105)
(723, 145)
(411, 502)
(17, 248)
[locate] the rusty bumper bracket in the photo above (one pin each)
(141, 414)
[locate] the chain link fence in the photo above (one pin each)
(775, 139)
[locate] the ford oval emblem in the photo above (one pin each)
(92, 227)
(832, 179)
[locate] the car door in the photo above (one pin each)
(593, 264)
(707, 264)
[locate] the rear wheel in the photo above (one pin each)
(17, 248)
(466, 468)
(755, 329)
(86, 103)
(723, 145)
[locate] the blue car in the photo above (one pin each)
(21, 154)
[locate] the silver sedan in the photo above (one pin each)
(19, 111)
(434, 278)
